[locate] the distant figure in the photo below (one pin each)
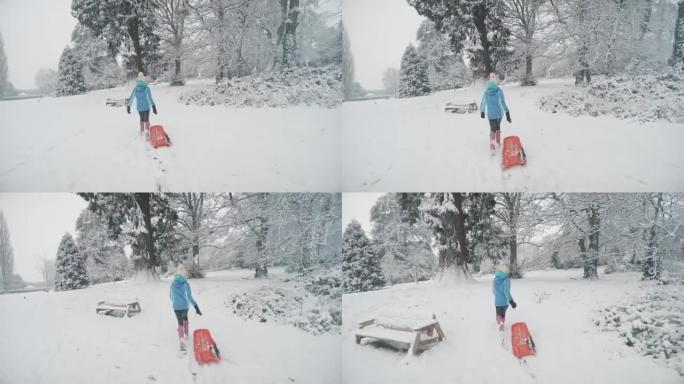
(502, 294)
(143, 95)
(181, 297)
(494, 103)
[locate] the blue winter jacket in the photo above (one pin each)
(502, 289)
(493, 102)
(143, 95)
(181, 294)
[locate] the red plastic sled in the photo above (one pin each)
(158, 137)
(205, 347)
(513, 153)
(521, 341)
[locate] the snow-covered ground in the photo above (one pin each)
(413, 145)
(76, 143)
(56, 337)
(560, 309)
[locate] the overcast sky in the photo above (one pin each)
(37, 222)
(379, 31)
(357, 206)
(35, 32)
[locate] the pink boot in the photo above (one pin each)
(497, 138)
(185, 328)
(500, 322)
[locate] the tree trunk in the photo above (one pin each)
(591, 258)
(479, 16)
(678, 45)
(646, 20)
(583, 74)
(528, 79)
(290, 13)
(221, 60)
(261, 265)
(652, 267)
(150, 257)
(134, 34)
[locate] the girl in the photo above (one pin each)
(502, 294)
(494, 103)
(181, 297)
(143, 95)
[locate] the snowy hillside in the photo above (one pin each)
(58, 338)
(412, 144)
(560, 309)
(76, 143)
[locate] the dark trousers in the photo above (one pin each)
(495, 125)
(501, 311)
(181, 316)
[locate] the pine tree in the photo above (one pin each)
(360, 266)
(478, 21)
(70, 80)
(71, 266)
(122, 24)
(413, 78)
(678, 46)
(446, 69)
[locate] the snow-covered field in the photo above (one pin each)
(560, 309)
(413, 145)
(76, 143)
(56, 337)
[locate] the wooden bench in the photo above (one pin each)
(417, 334)
(459, 107)
(108, 306)
(116, 102)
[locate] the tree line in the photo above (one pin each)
(123, 235)
(451, 235)
(174, 39)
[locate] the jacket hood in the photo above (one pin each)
(179, 279)
(492, 87)
(500, 276)
(140, 84)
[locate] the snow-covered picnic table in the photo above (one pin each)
(416, 331)
(118, 304)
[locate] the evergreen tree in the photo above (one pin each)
(145, 221)
(70, 80)
(484, 238)
(413, 78)
(360, 266)
(121, 23)
(479, 22)
(446, 69)
(403, 246)
(446, 215)
(100, 69)
(678, 46)
(105, 258)
(71, 266)
(3, 68)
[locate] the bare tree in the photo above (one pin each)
(172, 15)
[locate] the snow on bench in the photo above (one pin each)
(460, 106)
(116, 102)
(111, 305)
(416, 329)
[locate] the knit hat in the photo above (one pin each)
(141, 76)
